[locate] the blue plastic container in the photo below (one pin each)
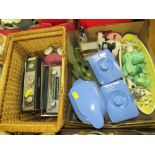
(87, 102)
(119, 102)
(105, 67)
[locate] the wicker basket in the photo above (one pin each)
(18, 47)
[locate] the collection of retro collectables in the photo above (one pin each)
(113, 79)
(126, 95)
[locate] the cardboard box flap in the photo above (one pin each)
(152, 33)
(123, 28)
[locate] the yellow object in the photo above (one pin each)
(148, 108)
(88, 74)
(28, 92)
(75, 95)
(83, 69)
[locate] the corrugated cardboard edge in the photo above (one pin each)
(152, 33)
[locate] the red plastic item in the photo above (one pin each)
(87, 23)
(6, 32)
(39, 26)
(52, 21)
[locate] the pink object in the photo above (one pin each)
(114, 36)
(53, 59)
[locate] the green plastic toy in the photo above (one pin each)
(134, 66)
(140, 81)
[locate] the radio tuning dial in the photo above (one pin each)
(29, 99)
(54, 72)
(52, 104)
(30, 81)
(31, 66)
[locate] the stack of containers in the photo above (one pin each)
(110, 95)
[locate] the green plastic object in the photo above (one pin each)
(125, 72)
(129, 66)
(133, 63)
(137, 57)
(127, 57)
(141, 67)
(145, 103)
(135, 71)
(142, 80)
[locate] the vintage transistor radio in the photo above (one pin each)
(50, 90)
(32, 85)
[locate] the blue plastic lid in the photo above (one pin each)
(119, 102)
(87, 102)
(105, 67)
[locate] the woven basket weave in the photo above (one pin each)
(18, 47)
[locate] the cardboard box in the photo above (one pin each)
(107, 132)
(146, 32)
(152, 34)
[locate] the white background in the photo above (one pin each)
(77, 145)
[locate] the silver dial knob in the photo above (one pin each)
(59, 51)
(52, 104)
(48, 51)
(54, 72)
(31, 66)
(29, 99)
(30, 81)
